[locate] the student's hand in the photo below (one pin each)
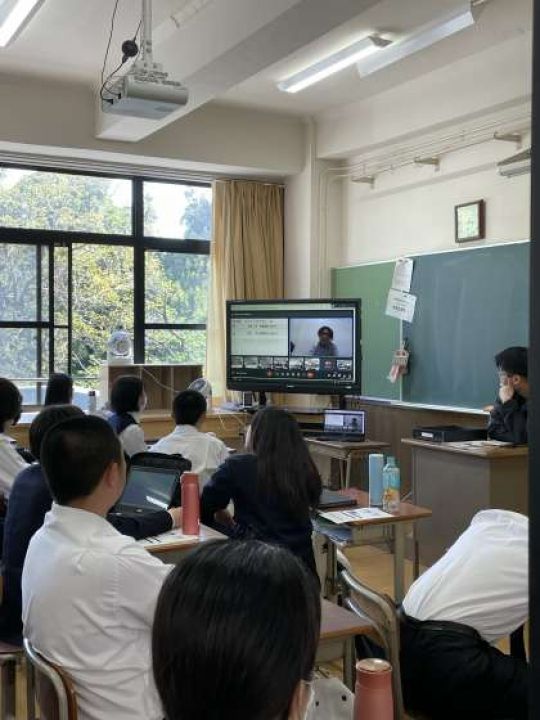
(506, 393)
(176, 515)
(224, 517)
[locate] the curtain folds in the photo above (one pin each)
(246, 259)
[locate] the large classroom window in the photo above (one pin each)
(81, 254)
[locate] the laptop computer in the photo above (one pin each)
(330, 500)
(344, 425)
(148, 489)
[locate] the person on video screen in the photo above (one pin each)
(325, 347)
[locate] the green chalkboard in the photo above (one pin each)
(470, 304)
(380, 333)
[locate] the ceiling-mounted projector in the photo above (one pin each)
(145, 91)
(145, 95)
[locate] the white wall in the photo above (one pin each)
(418, 216)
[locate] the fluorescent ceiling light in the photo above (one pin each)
(455, 21)
(14, 14)
(333, 63)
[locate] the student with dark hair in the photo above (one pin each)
(11, 462)
(30, 501)
(128, 399)
(273, 487)
(205, 451)
(235, 634)
(59, 390)
(325, 347)
(89, 592)
(508, 419)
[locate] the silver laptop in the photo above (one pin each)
(344, 425)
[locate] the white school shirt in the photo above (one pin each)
(205, 450)
(482, 580)
(89, 596)
(11, 464)
(132, 438)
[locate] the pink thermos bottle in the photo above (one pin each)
(190, 503)
(373, 692)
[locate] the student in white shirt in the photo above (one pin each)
(205, 450)
(476, 594)
(128, 399)
(88, 592)
(11, 463)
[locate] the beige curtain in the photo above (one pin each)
(246, 259)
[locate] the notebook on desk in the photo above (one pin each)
(344, 426)
(147, 489)
(330, 499)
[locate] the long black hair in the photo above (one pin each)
(125, 394)
(236, 629)
(59, 389)
(10, 403)
(286, 472)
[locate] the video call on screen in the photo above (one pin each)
(292, 344)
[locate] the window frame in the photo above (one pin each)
(135, 239)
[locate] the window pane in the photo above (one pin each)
(18, 282)
(180, 212)
(61, 201)
(175, 346)
(18, 358)
(176, 289)
(60, 351)
(61, 280)
(102, 299)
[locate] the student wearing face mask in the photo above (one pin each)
(128, 399)
(235, 634)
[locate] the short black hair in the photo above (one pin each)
(236, 627)
(10, 402)
(328, 330)
(125, 394)
(59, 390)
(74, 455)
(513, 361)
(188, 407)
(45, 420)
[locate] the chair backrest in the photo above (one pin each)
(54, 690)
(176, 461)
(381, 612)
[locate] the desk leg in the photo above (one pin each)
(349, 664)
(400, 530)
(416, 565)
(331, 572)
(348, 464)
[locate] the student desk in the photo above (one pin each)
(457, 481)
(170, 547)
(345, 453)
(338, 629)
(360, 532)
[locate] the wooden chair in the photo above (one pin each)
(380, 611)
(50, 686)
(10, 655)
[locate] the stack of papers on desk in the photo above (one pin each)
(345, 516)
(475, 444)
(167, 538)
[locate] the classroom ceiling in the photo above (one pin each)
(234, 51)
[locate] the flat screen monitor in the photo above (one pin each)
(304, 346)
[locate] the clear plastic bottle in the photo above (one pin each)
(391, 486)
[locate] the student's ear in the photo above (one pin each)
(114, 474)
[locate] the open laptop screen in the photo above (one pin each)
(345, 422)
(148, 488)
